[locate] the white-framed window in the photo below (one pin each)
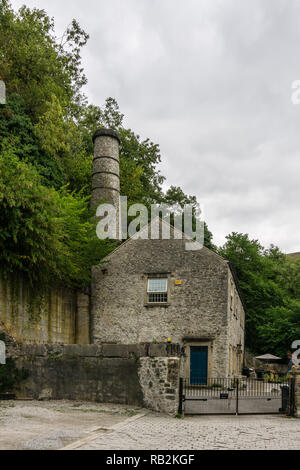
(157, 290)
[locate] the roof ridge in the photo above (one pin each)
(136, 236)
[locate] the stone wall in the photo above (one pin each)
(296, 374)
(135, 374)
(62, 318)
(159, 378)
(236, 329)
(196, 311)
(196, 308)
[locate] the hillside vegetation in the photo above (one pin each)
(47, 230)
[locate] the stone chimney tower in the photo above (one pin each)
(106, 173)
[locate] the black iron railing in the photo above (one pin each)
(238, 389)
(247, 387)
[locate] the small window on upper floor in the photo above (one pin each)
(157, 290)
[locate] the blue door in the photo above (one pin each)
(198, 365)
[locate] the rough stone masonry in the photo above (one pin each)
(202, 304)
(130, 360)
(136, 374)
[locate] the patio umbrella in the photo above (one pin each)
(267, 357)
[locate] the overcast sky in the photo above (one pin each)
(210, 81)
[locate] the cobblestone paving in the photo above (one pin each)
(157, 432)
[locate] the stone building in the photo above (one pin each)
(152, 290)
(145, 292)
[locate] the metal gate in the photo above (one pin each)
(236, 396)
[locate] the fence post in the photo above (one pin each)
(180, 395)
(295, 391)
(237, 398)
(291, 407)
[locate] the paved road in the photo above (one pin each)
(157, 432)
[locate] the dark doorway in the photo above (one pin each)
(198, 365)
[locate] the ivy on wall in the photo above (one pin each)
(11, 376)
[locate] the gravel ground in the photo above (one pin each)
(43, 425)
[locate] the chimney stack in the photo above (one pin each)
(106, 172)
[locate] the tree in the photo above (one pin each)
(37, 65)
(46, 131)
(281, 328)
(175, 195)
(44, 77)
(46, 234)
(271, 292)
(17, 131)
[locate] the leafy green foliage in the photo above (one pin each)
(280, 328)
(51, 129)
(46, 228)
(175, 195)
(143, 156)
(45, 233)
(34, 64)
(269, 281)
(17, 131)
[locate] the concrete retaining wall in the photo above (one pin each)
(63, 316)
(135, 374)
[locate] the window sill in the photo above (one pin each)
(157, 304)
